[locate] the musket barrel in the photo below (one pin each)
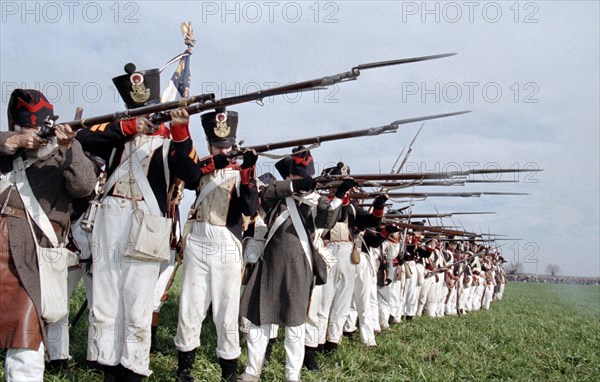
(402, 61)
(144, 110)
(319, 139)
(425, 175)
(368, 195)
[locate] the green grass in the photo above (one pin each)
(538, 332)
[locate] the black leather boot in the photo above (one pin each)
(185, 365)
(228, 369)
(320, 348)
(330, 347)
(113, 373)
(154, 348)
(310, 359)
(130, 376)
(57, 365)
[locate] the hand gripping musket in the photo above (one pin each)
(444, 269)
(156, 109)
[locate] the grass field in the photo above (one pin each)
(538, 332)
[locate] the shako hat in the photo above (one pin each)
(138, 87)
(220, 127)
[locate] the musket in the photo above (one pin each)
(387, 185)
(155, 109)
(198, 104)
(370, 195)
(315, 84)
(436, 215)
(434, 183)
(391, 185)
(391, 128)
(399, 169)
(409, 149)
(175, 195)
(79, 313)
(417, 227)
(397, 160)
(444, 269)
(371, 204)
(420, 175)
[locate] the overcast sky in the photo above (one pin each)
(528, 71)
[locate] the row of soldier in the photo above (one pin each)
(311, 262)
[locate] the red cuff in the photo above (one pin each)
(378, 213)
(346, 200)
(129, 126)
(210, 167)
(384, 232)
(247, 174)
(180, 132)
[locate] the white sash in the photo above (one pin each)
(216, 182)
(33, 207)
(300, 230)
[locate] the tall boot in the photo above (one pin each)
(330, 347)
(320, 348)
(185, 365)
(154, 348)
(310, 359)
(228, 369)
(130, 376)
(113, 373)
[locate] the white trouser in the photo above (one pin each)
(121, 310)
(501, 291)
(488, 294)
(24, 365)
(337, 294)
(463, 299)
(350, 323)
(480, 292)
(473, 305)
(451, 304)
(396, 300)
(470, 295)
(212, 266)
(164, 275)
(57, 333)
(442, 293)
(313, 324)
(363, 287)
(258, 338)
(427, 296)
(411, 290)
(383, 301)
